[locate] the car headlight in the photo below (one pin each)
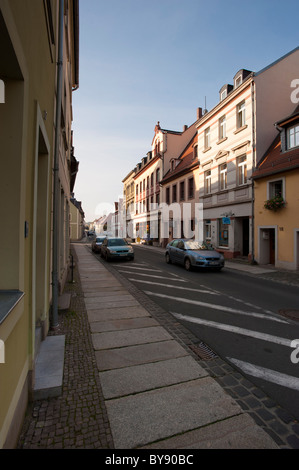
(131, 249)
(112, 251)
(200, 257)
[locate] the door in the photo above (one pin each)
(271, 246)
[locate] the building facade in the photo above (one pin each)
(35, 143)
(232, 139)
(276, 206)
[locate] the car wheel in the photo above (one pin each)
(167, 258)
(187, 264)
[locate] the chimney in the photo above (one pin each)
(199, 113)
(185, 127)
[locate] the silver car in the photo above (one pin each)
(191, 253)
(116, 248)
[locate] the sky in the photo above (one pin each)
(144, 61)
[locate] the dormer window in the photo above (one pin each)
(293, 136)
(223, 95)
(238, 81)
(224, 91)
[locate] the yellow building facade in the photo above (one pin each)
(276, 199)
(29, 49)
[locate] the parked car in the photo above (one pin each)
(96, 244)
(116, 248)
(191, 253)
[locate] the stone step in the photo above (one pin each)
(49, 368)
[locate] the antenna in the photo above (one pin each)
(205, 110)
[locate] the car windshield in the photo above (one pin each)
(194, 245)
(117, 242)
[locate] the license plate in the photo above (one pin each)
(213, 263)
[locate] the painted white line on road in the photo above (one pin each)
(267, 374)
(216, 307)
(144, 269)
(151, 275)
(201, 291)
(235, 329)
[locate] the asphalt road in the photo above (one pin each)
(235, 314)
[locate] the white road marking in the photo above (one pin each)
(216, 307)
(202, 291)
(151, 275)
(267, 374)
(144, 269)
(235, 329)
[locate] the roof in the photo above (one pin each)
(277, 162)
(186, 164)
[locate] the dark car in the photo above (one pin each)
(116, 248)
(191, 253)
(96, 244)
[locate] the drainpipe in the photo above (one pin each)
(253, 261)
(56, 168)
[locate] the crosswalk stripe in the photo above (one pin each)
(267, 374)
(235, 329)
(201, 291)
(151, 275)
(216, 307)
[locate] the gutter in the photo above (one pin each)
(54, 322)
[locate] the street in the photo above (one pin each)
(235, 314)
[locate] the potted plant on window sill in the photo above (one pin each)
(275, 203)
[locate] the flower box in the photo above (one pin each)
(275, 203)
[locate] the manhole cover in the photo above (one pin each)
(290, 313)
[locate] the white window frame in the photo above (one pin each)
(241, 114)
(207, 138)
(294, 137)
(208, 182)
(223, 95)
(208, 230)
(242, 166)
(270, 184)
(222, 176)
(222, 128)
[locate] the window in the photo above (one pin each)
(174, 193)
(182, 191)
(208, 230)
(207, 138)
(223, 95)
(207, 182)
(293, 137)
(158, 175)
(191, 188)
(195, 151)
(241, 115)
(275, 189)
(241, 170)
(223, 233)
(167, 195)
(222, 128)
(223, 176)
(238, 81)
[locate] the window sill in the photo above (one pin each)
(221, 140)
(8, 300)
(206, 150)
(240, 129)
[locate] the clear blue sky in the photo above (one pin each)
(143, 61)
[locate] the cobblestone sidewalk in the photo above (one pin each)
(77, 419)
